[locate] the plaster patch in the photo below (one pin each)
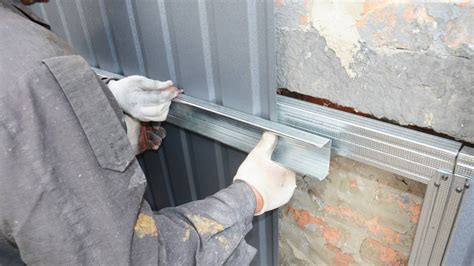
(428, 119)
(333, 18)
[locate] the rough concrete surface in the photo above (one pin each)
(408, 61)
(358, 215)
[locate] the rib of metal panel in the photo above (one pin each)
(218, 51)
(409, 153)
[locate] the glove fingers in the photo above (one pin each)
(150, 84)
(146, 83)
(157, 118)
(266, 145)
(150, 98)
(288, 177)
(154, 110)
(157, 85)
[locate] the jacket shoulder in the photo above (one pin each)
(24, 44)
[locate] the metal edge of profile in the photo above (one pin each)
(305, 153)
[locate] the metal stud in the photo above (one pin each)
(459, 189)
(436, 184)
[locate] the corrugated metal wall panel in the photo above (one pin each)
(220, 51)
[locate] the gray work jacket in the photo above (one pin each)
(71, 190)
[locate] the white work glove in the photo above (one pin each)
(144, 98)
(275, 183)
(144, 136)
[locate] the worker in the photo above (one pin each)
(71, 189)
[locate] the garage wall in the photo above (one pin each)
(410, 62)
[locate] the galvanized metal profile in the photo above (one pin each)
(459, 248)
(440, 209)
(406, 152)
(305, 153)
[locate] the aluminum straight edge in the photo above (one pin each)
(415, 155)
(254, 121)
(305, 153)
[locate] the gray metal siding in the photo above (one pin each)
(219, 51)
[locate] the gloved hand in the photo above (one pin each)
(143, 98)
(273, 182)
(144, 135)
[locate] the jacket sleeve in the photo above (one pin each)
(209, 231)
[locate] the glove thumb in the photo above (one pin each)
(265, 146)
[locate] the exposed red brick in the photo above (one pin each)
(375, 252)
(389, 235)
(415, 210)
(303, 20)
(353, 183)
(340, 258)
(303, 218)
(347, 213)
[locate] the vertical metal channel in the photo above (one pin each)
(218, 51)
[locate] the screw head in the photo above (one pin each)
(467, 185)
(444, 177)
(436, 184)
(459, 189)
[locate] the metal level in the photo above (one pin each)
(305, 153)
